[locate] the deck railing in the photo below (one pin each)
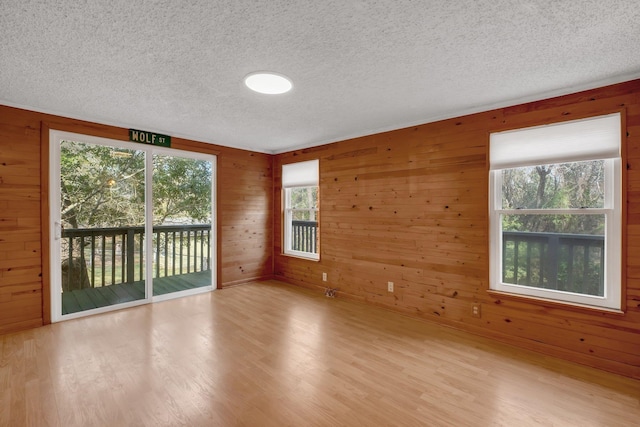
(95, 257)
(566, 262)
(304, 236)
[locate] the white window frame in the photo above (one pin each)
(298, 175)
(541, 155)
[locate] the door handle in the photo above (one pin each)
(57, 230)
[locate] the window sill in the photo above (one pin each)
(301, 255)
(587, 309)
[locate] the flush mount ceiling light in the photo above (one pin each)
(268, 82)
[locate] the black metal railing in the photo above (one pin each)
(304, 236)
(95, 257)
(566, 262)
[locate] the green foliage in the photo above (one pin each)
(105, 187)
(181, 188)
(558, 186)
(304, 203)
(101, 186)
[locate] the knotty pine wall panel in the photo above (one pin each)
(20, 234)
(245, 185)
(411, 206)
(244, 196)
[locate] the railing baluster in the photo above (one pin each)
(113, 260)
(294, 242)
(553, 260)
(541, 259)
(585, 264)
(156, 235)
(307, 236)
(188, 254)
(314, 239)
(195, 251)
(181, 251)
(103, 258)
(83, 262)
(130, 259)
(70, 260)
(202, 250)
(601, 272)
(173, 255)
(528, 264)
(123, 258)
(209, 249)
(93, 261)
(504, 256)
(166, 252)
(141, 255)
(515, 260)
(301, 238)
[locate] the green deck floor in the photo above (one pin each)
(87, 299)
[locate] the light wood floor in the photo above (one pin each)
(267, 354)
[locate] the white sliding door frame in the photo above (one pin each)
(55, 139)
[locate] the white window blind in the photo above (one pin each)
(577, 140)
(301, 174)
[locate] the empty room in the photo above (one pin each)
(338, 213)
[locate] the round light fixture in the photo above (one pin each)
(268, 82)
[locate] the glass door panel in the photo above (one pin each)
(101, 229)
(182, 233)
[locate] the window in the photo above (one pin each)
(555, 211)
(300, 185)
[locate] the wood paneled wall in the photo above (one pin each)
(408, 206)
(244, 227)
(411, 206)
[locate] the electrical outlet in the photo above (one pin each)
(324, 277)
(475, 310)
(390, 286)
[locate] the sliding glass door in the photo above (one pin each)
(181, 223)
(111, 204)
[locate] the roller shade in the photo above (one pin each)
(577, 140)
(301, 174)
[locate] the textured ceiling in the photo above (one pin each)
(358, 66)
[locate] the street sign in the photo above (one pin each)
(150, 138)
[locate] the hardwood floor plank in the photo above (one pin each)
(269, 354)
